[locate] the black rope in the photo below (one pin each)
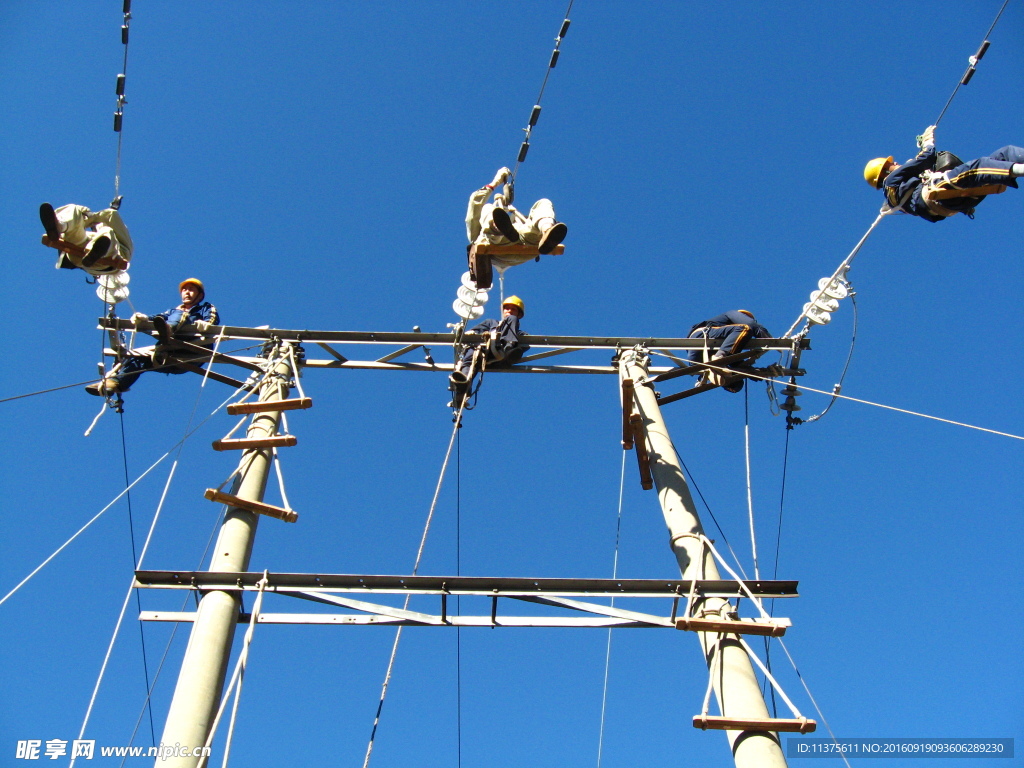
(708, 508)
(973, 62)
(535, 111)
(135, 564)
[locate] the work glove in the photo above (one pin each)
(926, 140)
(202, 326)
(500, 176)
(138, 318)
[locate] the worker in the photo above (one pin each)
(499, 223)
(503, 348)
(103, 236)
(193, 312)
(735, 328)
(937, 185)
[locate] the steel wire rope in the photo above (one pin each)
(121, 101)
(972, 63)
(149, 538)
(608, 647)
(415, 568)
(882, 405)
(95, 381)
(535, 112)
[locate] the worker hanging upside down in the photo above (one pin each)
(499, 223)
(502, 348)
(735, 328)
(937, 185)
(97, 242)
(193, 312)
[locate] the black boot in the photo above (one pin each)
(96, 250)
(48, 217)
(554, 236)
(503, 223)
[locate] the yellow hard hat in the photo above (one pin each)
(873, 171)
(514, 301)
(193, 281)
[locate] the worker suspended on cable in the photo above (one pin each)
(193, 313)
(734, 329)
(937, 185)
(97, 242)
(502, 347)
(499, 223)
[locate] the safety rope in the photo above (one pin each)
(145, 549)
(608, 647)
(535, 112)
(170, 640)
(135, 565)
(415, 568)
(972, 63)
(237, 678)
(750, 496)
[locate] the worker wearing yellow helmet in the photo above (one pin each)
(503, 346)
(937, 185)
(182, 322)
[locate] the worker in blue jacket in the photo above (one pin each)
(735, 328)
(504, 348)
(937, 185)
(192, 313)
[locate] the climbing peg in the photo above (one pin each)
(564, 29)
(981, 52)
(554, 59)
(968, 75)
(522, 151)
(127, 7)
(535, 115)
(117, 122)
(124, 34)
(120, 85)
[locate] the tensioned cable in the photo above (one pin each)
(608, 648)
(415, 568)
(886, 407)
(121, 101)
(972, 63)
(535, 112)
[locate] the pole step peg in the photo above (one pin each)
(270, 406)
(288, 515)
(766, 725)
(244, 443)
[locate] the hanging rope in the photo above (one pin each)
(535, 112)
(415, 568)
(972, 63)
(608, 648)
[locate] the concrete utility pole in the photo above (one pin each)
(735, 685)
(201, 680)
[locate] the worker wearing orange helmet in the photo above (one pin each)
(503, 348)
(937, 185)
(182, 322)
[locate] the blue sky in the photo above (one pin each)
(311, 163)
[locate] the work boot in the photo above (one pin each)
(459, 378)
(103, 388)
(48, 217)
(733, 386)
(552, 236)
(503, 223)
(163, 330)
(96, 250)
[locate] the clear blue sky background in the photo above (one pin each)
(311, 163)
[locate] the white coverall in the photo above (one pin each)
(480, 230)
(80, 226)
